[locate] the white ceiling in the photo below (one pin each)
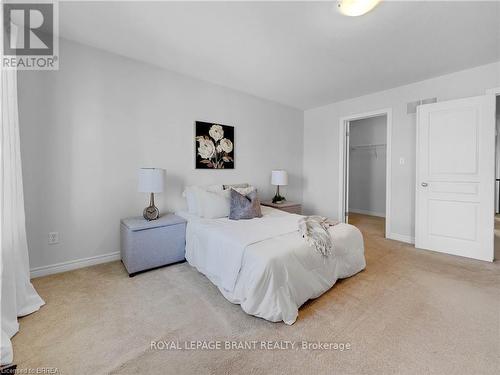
(303, 54)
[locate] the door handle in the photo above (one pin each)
(424, 184)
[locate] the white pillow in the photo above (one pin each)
(191, 194)
(214, 205)
(212, 188)
(192, 203)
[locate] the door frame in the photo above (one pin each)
(496, 92)
(343, 178)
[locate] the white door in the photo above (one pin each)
(456, 177)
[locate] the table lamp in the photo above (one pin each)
(279, 178)
(151, 180)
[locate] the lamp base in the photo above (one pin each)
(278, 198)
(151, 212)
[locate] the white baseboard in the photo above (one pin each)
(401, 238)
(74, 264)
(366, 212)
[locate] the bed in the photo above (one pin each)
(264, 264)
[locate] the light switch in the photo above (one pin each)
(401, 161)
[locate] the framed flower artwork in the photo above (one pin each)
(214, 146)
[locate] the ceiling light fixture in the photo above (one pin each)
(356, 8)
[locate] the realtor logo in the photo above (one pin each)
(30, 39)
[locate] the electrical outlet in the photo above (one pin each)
(53, 238)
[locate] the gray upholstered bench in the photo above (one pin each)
(151, 244)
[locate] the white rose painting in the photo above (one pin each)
(214, 146)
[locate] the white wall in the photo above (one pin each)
(367, 175)
(87, 128)
(321, 140)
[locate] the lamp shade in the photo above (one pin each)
(151, 180)
(279, 178)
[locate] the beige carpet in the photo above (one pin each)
(409, 312)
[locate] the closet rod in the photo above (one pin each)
(369, 146)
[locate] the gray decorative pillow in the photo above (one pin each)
(244, 206)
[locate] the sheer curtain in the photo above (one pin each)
(17, 295)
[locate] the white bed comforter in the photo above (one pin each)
(265, 265)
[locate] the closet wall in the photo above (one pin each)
(367, 166)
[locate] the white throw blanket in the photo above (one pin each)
(314, 229)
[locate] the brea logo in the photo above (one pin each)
(30, 39)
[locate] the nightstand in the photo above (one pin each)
(146, 245)
(291, 207)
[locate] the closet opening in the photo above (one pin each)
(365, 171)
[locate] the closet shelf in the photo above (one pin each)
(354, 147)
